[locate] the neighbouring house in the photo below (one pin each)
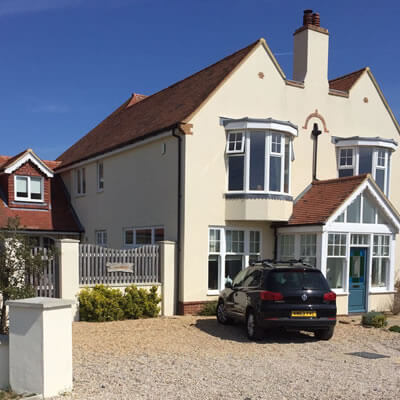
(31, 191)
(237, 162)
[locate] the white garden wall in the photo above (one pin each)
(4, 361)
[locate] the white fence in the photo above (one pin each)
(101, 265)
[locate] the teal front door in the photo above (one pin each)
(357, 279)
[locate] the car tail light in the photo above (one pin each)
(270, 296)
(330, 296)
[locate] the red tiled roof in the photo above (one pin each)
(345, 83)
(136, 97)
(60, 217)
(5, 161)
(155, 113)
(322, 199)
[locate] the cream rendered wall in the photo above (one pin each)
(245, 94)
(380, 302)
(140, 190)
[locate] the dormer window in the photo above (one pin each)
(28, 188)
(358, 156)
(258, 155)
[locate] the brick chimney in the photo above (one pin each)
(310, 61)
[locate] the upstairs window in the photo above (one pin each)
(80, 181)
(101, 238)
(366, 159)
(258, 161)
(100, 176)
(28, 188)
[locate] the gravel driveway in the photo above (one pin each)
(195, 358)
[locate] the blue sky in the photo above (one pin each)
(66, 64)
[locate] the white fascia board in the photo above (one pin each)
(383, 205)
(32, 158)
(116, 151)
(370, 143)
(260, 125)
(358, 228)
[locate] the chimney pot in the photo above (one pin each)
(307, 17)
(316, 19)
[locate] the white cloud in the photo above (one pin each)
(11, 7)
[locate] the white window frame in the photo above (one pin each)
(101, 237)
(80, 178)
(386, 287)
(268, 134)
(29, 198)
(100, 179)
(340, 256)
(242, 142)
(246, 254)
(140, 228)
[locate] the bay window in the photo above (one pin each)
(356, 156)
(298, 246)
(229, 251)
(258, 153)
(259, 161)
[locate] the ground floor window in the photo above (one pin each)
(300, 246)
(229, 251)
(142, 236)
(336, 260)
(101, 238)
(380, 261)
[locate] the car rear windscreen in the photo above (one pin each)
(279, 281)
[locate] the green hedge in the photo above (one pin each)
(103, 303)
(375, 319)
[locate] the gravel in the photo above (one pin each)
(195, 358)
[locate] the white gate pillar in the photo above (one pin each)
(168, 278)
(68, 256)
(40, 346)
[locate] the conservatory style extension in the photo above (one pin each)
(346, 227)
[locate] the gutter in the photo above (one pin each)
(179, 217)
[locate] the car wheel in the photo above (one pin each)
(222, 315)
(254, 332)
(324, 334)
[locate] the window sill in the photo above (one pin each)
(259, 195)
(381, 291)
(340, 292)
(213, 293)
(100, 190)
(80, 195)
(27, 201)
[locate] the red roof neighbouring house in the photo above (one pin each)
(322, 199)
(345, 83)
(54, 213)
(155, 113)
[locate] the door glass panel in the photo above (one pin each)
(357, 268)
(257, 160)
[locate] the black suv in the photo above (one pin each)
(273, 294)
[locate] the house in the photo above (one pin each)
(31, 191)
(237, 162)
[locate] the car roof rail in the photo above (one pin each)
(270, 262)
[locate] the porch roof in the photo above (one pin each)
(323, 198)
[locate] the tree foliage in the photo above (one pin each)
(18, 262)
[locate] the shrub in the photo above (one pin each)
(395, 328)
(375, 319)
(209, 309)
(102, 303)
(395, 308)
(139, 303)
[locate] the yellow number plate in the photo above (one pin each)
(304, 314)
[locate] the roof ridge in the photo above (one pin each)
(341, 179)
(201, 70)
(348, 74)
